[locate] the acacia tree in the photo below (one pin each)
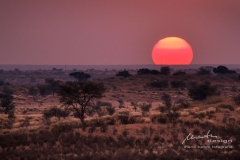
(6, 102)
(53, 84)
(80, 76)
(79, 96)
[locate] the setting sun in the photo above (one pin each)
(172, 51)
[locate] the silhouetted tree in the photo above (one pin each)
(79, 96)
(6, 102)
(123, 74)
(53, 84)
(165, 70)
(147, 71)
(154, 71)
(222, 70)
(202, 91)
(143, 71)
(80, 76)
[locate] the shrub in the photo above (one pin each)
(203, 71)
(103, 127)
(202, 91)
(178, 84)
(156, 138)
(124, 74)
(226, 106)
(167, 100)
(145, 107)
(6, 102)
(55, 112)
(236, 99)
(159, 84)
(179, 73)
(159, 119)
(111, 110)
(125, 133)
(222, 70)
(123, 118)
(165, 70)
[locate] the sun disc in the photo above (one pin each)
(172, 51)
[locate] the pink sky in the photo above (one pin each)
(116, 31)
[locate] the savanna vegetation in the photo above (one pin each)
(76, 115)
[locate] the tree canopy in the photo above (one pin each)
(124, 74)
(79, 96)
(165, 70)
(6, 102)
(80, 76)
(222, 70)
(53, 84)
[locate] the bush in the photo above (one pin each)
(123, 118)
(111, 110)
(167, 100)
(179, 73)
(159, 84)
(124, 74)
(203, 71)
(202, 91)
(226, 106)
(236, 99)
(159, 119)
(165, 70)
(103, 127)
(55, 112)
(222, 70)
(145, 107)
(178, 84)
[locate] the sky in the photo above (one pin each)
(116, 32)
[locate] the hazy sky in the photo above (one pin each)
(116, 31)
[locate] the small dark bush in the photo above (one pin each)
(236, 99)
(202, 91)
(125, 133)
(145, 107)
(166, 98)
(178, 84)
(165, 70)
(103, 127)
(159, 84)
(124, 74)
(226, 106)
(203, 71)
(123, 118)
(156, 138)
(111, 110)
(143, 71)
(55, 112)
(179, 73)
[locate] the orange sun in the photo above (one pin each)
(172, 51)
